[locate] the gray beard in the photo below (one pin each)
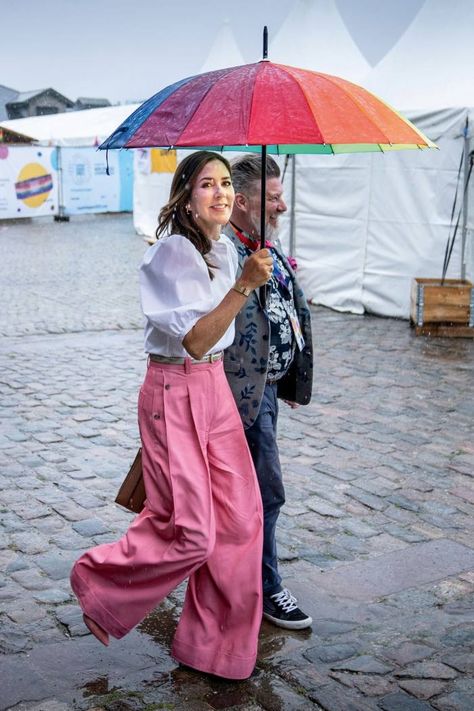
(271, 233)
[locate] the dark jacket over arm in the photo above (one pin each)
(246, 360)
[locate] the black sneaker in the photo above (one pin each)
(282, 610)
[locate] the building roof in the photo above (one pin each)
(25, 96)
(92, 101)
(6, 95)
(8, 136)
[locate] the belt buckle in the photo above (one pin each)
(214, 356)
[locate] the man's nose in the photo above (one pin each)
(282, 205)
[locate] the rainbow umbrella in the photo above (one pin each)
(286, 109)
(267, 107)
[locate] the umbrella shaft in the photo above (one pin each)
(263, 205)
(263, 197)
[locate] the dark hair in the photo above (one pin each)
(173, 217)
(247, 170)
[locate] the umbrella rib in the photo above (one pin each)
(249, 120)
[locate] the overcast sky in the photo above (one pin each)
(128, 50)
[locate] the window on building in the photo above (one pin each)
(44, 110)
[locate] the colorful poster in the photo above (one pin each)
(28, 181)
(163, 160)
(86, 187)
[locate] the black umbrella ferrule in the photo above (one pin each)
(265, 42)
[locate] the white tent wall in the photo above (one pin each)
(469, 234)
(331, 216)
(367, 224)
(428, 69)
(409, 223)
(150, 193)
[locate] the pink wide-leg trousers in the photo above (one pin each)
(202, 520)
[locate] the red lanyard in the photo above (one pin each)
(251, 244)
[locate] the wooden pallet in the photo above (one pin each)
(442, 310)
(444, 330)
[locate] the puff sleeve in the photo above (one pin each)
(174, 286)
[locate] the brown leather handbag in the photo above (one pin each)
(132, 493)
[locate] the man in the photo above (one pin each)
(270, 358)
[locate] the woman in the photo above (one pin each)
(203, 517)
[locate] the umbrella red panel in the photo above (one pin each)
(222, 117)
(280, 111)
(165, 125)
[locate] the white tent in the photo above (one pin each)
(224, 52)
(72, 128)
(431, 66)
(366, 225)
(314, 36)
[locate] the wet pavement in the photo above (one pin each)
(376, 538)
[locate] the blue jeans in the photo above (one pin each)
(262, 441)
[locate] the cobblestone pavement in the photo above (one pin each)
(376, 539)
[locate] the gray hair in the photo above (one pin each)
(247, 170)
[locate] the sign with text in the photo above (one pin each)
(86, 187)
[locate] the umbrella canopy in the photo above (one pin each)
(269, 108)
(286, 109)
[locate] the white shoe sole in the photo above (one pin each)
(289, 624)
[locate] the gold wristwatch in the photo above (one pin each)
(242, 289)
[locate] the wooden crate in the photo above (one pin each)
(442, 310)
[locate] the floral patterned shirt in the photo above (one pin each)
(280, 301)
(282, 342)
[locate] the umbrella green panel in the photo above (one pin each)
(317, 149)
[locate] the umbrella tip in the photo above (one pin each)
(265, 42)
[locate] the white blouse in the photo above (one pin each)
(176, 291)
